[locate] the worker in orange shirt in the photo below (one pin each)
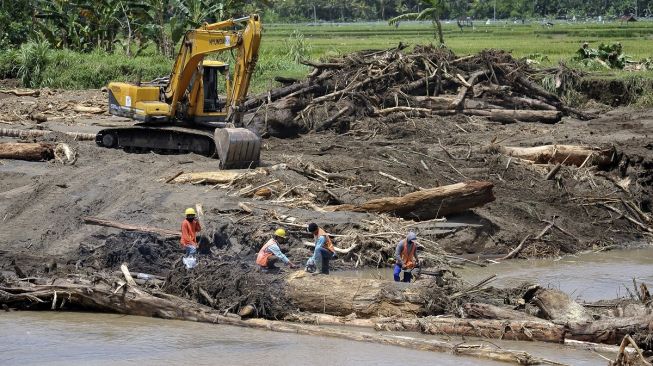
(189, 228)
(406, 258)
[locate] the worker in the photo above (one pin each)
(270, 253)
(189, 229)
(406, 257)
(324, 249)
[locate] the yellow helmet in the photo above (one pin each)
(190, 211)
(280, 233)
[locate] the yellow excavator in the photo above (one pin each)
(196, 108)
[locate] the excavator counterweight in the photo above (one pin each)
(196, 109)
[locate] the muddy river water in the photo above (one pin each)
(587, 277)
(56, 338)
(35, 338)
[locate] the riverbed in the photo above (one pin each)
(67, 338)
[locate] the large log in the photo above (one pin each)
(126, 299)
(429, 203)
(613, 330)
(38, 151)
(127, 227)
(216, 177)
(518, 330)
(364, 297)
(10, 132)
(558, 307)
(516, 115)
(487, 311)
(566, 154)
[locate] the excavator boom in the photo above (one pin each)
(177, 117)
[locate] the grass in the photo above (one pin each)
(284, 44)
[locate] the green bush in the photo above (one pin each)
(37, 65)
(8, 64)
(297, 48)
(73, 70)
(32, 60)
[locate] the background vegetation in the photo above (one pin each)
(86, 44)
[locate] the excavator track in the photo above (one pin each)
(235, 147)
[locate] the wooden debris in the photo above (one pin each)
(556, 306)
(22, 92)
(216, 177)
(65, 154)
(84, 109)
(174, 176)
(487, 311)
(491, 84)
(428, 203)
(363, 297)
(7, 132)
(100, 297)
(400, 180)
(338, 250)
(246, 192)
(128, 227)
(563, 154)
(518, 330)
(38, 151)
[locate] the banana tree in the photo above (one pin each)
(61, 23)
(193, 13)
(433, 12)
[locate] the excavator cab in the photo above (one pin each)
(196, 108)
(214, 90)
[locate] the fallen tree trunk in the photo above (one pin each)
(516, 115)
(22, 93)
(486, 311)
(518, 330)
(217, 177)
(38, 151)
(126, 299)
(84, 109)
(564, 154)
(558, 307)
(429, 203)
(364, 297)
(144, 229)
(613, 330)
(9, 132)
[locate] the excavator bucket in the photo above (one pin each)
(237, 148)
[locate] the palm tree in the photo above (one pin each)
(434, 10)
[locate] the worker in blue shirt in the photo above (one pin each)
(324, 249)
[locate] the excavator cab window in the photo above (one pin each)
(214, 90)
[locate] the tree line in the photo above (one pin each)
(371, 10)
(132, 25)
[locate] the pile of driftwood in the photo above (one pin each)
(425, 82)
(375, 304)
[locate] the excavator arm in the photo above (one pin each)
(213, 38)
